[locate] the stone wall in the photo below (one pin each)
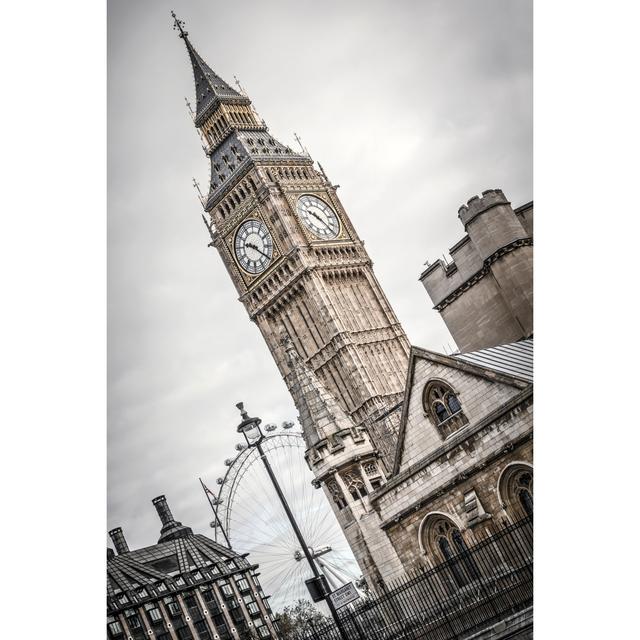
(449, 475)
(485, 294)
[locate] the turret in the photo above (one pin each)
(490, 222)
(485, 293)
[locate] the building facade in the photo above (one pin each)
(485, 293)
(418, 453)
(464, 462)
(185, 587)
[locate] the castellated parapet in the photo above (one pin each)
(340, 449)
(485, 293)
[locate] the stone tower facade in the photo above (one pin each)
(306, 280)
(485, 294)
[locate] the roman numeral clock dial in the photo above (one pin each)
(253, 246)
(318, 217)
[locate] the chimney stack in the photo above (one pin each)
(171, 528)
(118, 541)
(166, 517)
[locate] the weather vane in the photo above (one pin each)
(179, 24)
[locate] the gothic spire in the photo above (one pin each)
(320, 413)
(211, 89)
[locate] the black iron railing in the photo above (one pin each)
(470, 592)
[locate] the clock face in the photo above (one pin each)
(318, 217)
(253, 246)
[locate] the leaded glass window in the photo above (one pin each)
(446, 544)
(336, 494)
(355, 484)
(442, 406)
(516, 490)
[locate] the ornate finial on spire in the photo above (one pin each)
(243, 413)
(206, 224)
(299, 141)
(323, 173)
(242, 91)
(196, 185)
(179, 25)
(191, 111)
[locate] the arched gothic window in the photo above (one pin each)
(445, 543)
(441, 404)
(336, 494)
(355, 484)
(516, 490)
(373, 474)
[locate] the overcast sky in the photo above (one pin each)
(412, 107)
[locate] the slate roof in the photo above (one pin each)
(167, 561)
(514, 359)
(240, 150)
(211, 89)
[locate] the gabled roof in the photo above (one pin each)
(515, 359)
(487, 363)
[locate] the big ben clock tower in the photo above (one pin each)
(306, 280)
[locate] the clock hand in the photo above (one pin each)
(253, 246)
(317, 217)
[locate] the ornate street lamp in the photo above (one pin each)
(250, 428)
(318, 586)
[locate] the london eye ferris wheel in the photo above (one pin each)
(254, 521)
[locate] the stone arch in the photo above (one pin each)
(515, 490)
(441, 540)
(427, 520)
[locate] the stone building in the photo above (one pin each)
(464, 460)
(405, 443)
(485, 294)
(185, 587)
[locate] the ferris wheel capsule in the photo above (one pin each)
(220, 481)
(240, 447)
(213, 524)
(270, 427)
(287, 424)
(228, 462)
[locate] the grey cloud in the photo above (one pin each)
(412, 107)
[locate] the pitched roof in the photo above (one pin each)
(515, 359)
(240, 150)
(166, 560)
(211, 89)
(509, 364)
